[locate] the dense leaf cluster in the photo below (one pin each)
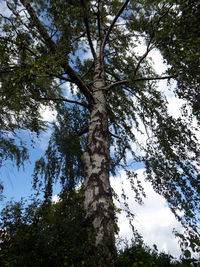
(44, 234)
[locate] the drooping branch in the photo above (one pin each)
(126, 145)
(113, 23)
(16, 13)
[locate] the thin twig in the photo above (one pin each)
(79, 37)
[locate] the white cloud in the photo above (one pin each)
(174, 106)
(44, 139)
(55, 199)
(158, 63)
(153, 220)
(47, 113)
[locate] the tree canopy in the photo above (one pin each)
(112, 97)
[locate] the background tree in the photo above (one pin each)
(92, 46)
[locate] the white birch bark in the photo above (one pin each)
(98, 198)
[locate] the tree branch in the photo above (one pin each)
(155, 78)
(39, 26)
(113, 23)
(88, 30)
(52, 46)
(79, 37)
(85, 74)
(126, 146)
(60, 77)
(138, 80)
(98, 19)
(149, 48)
(112, 74)
(79, 82)
(117, 83)
(62, 100)
(161, 17)
(83, 131)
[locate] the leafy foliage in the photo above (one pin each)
(62, 159)
(44, 234)
(175, 28)
(138, 254)
(53, 234)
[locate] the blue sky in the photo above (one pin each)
(18, 183)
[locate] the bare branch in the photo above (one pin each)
(113, 23)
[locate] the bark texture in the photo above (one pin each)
(98, 197)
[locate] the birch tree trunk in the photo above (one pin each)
(98, 197)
